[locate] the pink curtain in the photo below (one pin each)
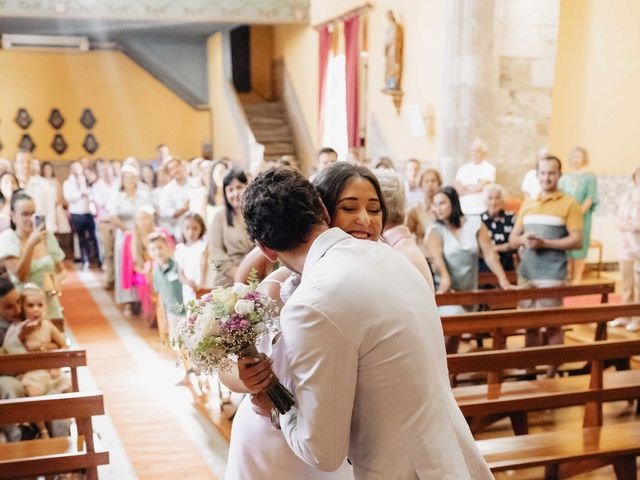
(325, 47)
(352, 53)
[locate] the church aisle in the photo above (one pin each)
(157, 425)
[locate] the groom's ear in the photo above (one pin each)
(325, 214)
(268, 252)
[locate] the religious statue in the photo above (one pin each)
(393, 54)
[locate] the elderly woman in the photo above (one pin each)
(31, 254)
(499, 223)
(583, 186)
(421, 216)
(629, 249)
(123, 207)
(395, 233)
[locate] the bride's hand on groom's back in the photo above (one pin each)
(255, 374)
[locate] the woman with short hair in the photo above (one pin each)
(500, 223)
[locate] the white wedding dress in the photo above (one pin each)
(259, 451)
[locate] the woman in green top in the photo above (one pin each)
(31, 254)
(583, 186)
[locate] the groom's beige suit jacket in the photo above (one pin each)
(364, 340)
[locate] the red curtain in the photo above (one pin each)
(325, 47)
(352, 53)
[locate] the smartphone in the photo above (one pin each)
(38, 219)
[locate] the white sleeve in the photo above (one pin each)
(70, 191)
(324, 364)
(491, 172)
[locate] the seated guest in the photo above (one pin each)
(32, 254)
(395, 233)
(228, 239)
(500, 224)
(547, 227)
(629, 249)
(421, 216)
(10, 387)
(412, 190)
(472, 177)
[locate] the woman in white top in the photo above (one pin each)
(123, 206)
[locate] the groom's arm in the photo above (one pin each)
(324, 365)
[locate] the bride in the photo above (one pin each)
(355, 204)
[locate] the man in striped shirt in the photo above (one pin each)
(546, 228)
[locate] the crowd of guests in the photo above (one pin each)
(168, 230)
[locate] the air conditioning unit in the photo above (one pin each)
(51, 43)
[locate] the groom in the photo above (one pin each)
(364, 344)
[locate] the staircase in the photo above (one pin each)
(270, 125)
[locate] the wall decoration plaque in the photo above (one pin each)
(90, 144)
(59, 145)
(56, 120)
(26, 142)
(87, 119)
(23, 119)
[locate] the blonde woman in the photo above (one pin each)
(581, 185)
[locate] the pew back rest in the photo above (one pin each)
(24, 362)
(500, 298)
(498, 360)
(511, 320)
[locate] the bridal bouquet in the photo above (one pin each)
(227, 322)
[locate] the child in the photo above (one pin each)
(192, 257)
(166, 281)
(37, 333)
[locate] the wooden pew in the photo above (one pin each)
(562, 453)
(497, 399)
(48, 456)
(24, 362)
(505, 298)
(502, 323)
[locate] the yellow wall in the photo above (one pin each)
(297, 46)
(423, 56)
(261, 48)
(226, 140)
(134, 111)
(596, 95)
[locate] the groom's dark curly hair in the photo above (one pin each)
(280, 207)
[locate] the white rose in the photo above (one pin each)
(241, 289)
(244, 307)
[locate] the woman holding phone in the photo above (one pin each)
(30, 253)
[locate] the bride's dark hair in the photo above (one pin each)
(332, 180)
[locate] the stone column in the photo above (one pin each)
(499, 65)
(527, 39)
(470, 82)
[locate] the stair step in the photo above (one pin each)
(266, 122)
(279, 148)
(265, 108)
